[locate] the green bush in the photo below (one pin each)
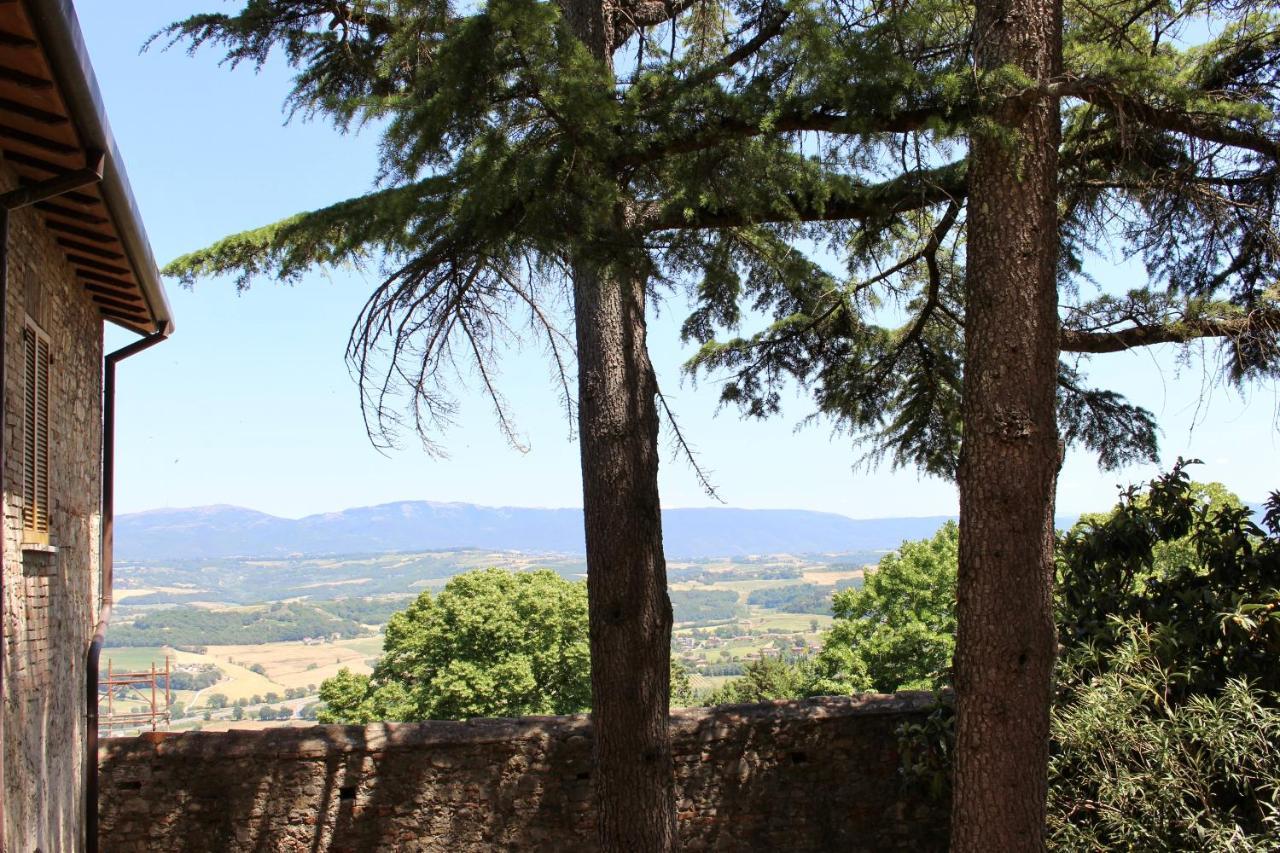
(1132, 770)
(1187, 561)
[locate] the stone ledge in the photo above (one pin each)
(807, 776)
(327, 740)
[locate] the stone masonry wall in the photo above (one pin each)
(50, 600)
(814, 775)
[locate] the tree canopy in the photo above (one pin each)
(1184, 560)
(898, 631)
(1190, 564)
(492, 643)
(743, 133)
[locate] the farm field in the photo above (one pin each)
(286, 666)
(829, 578)
(289, 665)
(742, 588)
(765, 620)
(715, 642)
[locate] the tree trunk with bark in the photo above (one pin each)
(629, 609)
(630, 612)
(1009, 463)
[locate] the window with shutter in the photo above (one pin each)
(35, 436)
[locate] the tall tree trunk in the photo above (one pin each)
(629, 610)
(1009, 463)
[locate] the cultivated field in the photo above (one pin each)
(742, 588)
(286, 665)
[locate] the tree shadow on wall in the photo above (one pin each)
(753, 777)
(402, 787)
(794, 776)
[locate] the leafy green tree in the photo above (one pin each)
(216, 701)
(1183, 559)
(1165, 725)
(682, 695)
(349, 694)
(1189, 564)
(762, 680)
(237, 713)
(491, 643)
(898, 631)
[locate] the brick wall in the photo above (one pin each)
(49, 600)
(815, 775)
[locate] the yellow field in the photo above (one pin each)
(287, 665)
(198, 724)
(237, 681)
(829, 578)
(120, 595)
(742, 588)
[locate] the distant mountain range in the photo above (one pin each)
(230, 531)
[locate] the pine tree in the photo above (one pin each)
(1122, 134)
(506, 164)
(918, 140)
(1005, 635)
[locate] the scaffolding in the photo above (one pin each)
(140, 682)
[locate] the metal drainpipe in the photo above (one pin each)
(11, 201)
(106, 556)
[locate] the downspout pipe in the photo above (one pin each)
(106, 556)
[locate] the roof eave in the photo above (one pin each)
(59, 32)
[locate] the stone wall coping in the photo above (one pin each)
(323, 741)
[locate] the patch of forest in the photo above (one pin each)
(277, 623)
(800, 597)
(705, 605)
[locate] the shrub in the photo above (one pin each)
(1132, 771)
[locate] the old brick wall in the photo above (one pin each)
(49, 600)
(814, 775)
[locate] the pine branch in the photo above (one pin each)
(912, 191)
(1262, 323)
(771, 22)
(728, 128)
(1196, 125)
(631, 16)
(685, 449)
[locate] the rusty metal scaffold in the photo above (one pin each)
(139, 681)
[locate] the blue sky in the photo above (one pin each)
(250, 402)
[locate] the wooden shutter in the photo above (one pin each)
(35, 436)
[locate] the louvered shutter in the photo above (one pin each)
(35, 431)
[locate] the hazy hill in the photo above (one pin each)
(226, 531)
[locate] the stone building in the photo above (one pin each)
(73, 256)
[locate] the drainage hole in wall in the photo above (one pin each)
(347, 793)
